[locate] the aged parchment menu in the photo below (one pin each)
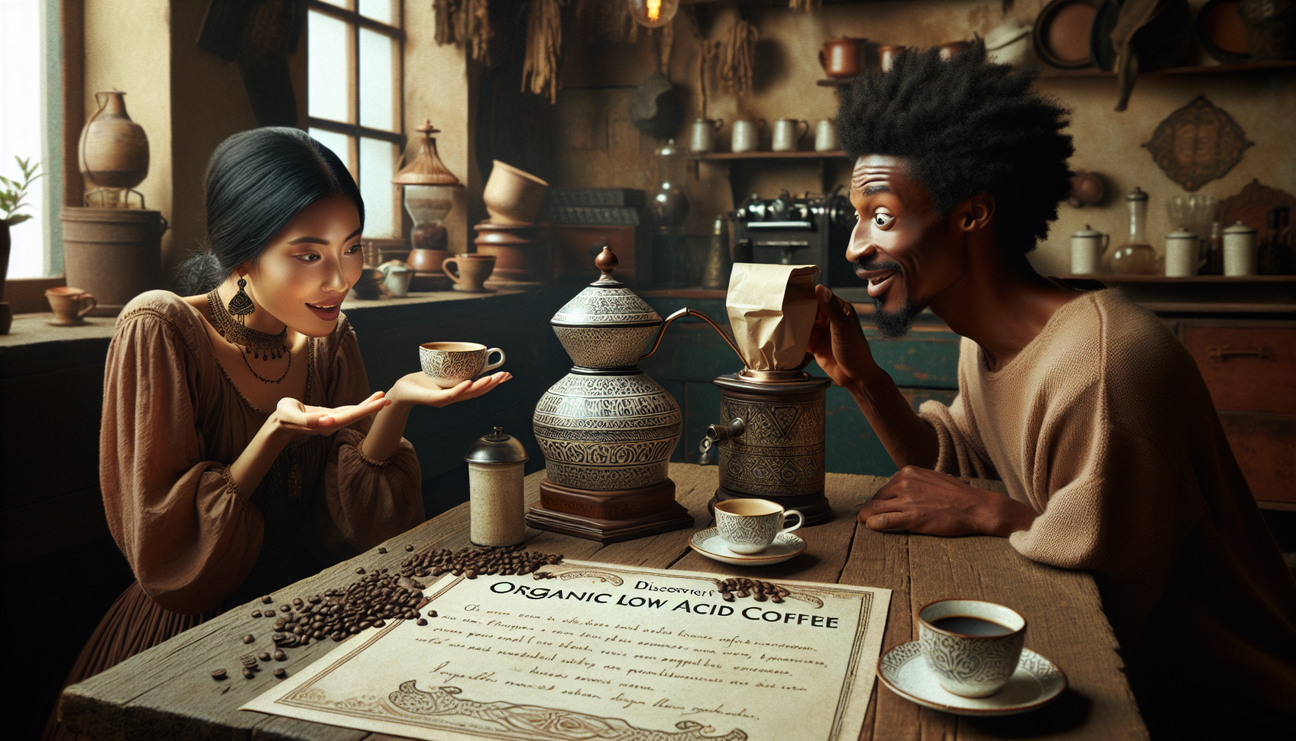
(603, 652)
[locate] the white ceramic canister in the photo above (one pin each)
(702, 135)
(495, 490)
(746, 133)
(1182, 254)
(1239, 250)
(1087, 247)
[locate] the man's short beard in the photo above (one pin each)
(892, 324)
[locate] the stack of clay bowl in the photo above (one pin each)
(511, 234)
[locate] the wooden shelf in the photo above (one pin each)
(1201, 69)
(1238, 279)
(730, 156)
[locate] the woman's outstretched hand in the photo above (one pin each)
(418, 388)
(296, 416)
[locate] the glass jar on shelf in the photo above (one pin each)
(1134, 256)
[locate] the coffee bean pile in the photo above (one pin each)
(474, 562)
(754, 588)
(381, 596)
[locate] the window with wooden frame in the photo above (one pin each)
(354, 102)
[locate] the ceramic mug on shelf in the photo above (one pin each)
(449, 364)
(971, 646)
(887, 55)
(788, 133)
(70, 305)
(750, 525)
(1087, 247)
(470, 271)
(702, 134)
(1183, 255)
(746, 134)
(826, 136)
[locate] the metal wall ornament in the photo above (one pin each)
(1197, 144)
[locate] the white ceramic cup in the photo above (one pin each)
(746, 134)
(449, 364)
(971, 646)
(702, 134)
(1183, 254)
(788, 133)
(750, 525)
(826, 136)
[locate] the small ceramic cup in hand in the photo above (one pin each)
(971, 646)
(749, 525)
(449, 364)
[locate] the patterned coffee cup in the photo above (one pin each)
(750, 525)
(449, 364)
(971, 646)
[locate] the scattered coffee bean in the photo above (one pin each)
(218, 673)
(264, 656)
(248, 638)
(431, 613)
(256, 613)
(409, 547)
(267, 599)
(360, 570)
(248, 660)
(248, 673)
(285, 608)
(421, 621)
(279, 672)
(382, 550)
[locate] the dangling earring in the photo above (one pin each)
(241, 305)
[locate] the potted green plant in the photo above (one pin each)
(12, 193)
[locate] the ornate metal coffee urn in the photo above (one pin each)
(606, 429)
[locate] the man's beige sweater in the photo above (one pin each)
(1103, 425)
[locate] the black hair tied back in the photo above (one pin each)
(258, 181)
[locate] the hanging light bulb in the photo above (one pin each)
(653, 13)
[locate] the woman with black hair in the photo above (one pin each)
(241, 448)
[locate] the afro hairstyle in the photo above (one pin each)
(967, 127)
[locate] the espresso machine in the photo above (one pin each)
(801, 230)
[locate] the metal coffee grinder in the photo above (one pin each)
(771, 435)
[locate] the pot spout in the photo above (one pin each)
(686, 311)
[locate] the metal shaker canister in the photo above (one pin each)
(495, 485)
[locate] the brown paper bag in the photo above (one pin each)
(772, 310)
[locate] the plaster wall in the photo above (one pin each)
(436, 88)
(598, 145)
(130, 51)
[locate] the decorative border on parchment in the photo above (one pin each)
(555, 724)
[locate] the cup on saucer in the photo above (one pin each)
(749, 525)
(972, 646)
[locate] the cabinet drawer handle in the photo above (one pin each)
(1224, 353)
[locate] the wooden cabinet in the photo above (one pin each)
(1250, 368)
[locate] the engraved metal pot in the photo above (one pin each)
(606, 426)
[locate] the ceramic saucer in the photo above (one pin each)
(709, 543)
(1036, 683)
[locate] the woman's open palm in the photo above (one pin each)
(325, 421)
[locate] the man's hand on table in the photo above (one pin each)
(924, 501)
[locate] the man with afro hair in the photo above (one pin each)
(1087, 408)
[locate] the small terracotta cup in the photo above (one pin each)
(70, 305)
(513, 196)
(470, 271)
(449, 364)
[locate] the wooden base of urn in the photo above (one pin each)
(608, 516)
(814, 507)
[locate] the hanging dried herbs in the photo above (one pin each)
(806, 5)
(738, 57)
(543, 47)
(465, 22)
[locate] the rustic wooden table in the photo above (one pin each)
(168, 693)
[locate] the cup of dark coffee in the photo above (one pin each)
(971, 646)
